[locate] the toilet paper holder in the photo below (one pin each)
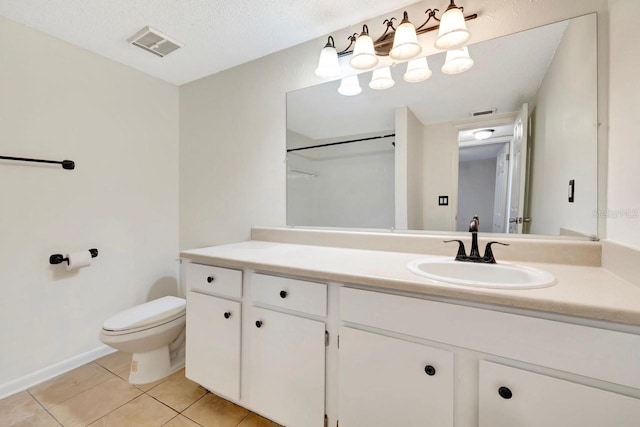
(59, 258)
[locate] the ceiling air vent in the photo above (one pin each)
(154, 41)
(484, 112)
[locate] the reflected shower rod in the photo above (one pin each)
(342, 142)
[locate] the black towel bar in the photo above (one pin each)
(66, 164)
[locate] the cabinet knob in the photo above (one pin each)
(258, 323)
(505, 393)
(210, 279)
(227, 315)
(283, 294)
(430, 370)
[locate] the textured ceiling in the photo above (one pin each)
(216, 34)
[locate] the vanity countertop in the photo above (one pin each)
(588, 292)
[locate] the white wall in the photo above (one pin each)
(232, 124)
(440, 176)
(476, 193)
(354, 191)
(564, 136)
(623, 223)
(408, 170)
(121, 128)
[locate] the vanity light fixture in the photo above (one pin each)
(364, 55)
(417, 71)
(350, 86)
(400, 44)
(483, 134)
(405, 41)
(453, 29)
(457, 61)
(328, 65)
(381, 79)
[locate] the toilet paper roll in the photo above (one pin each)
(78, 260)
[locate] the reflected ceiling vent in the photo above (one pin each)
(484, 112)
(154, 41)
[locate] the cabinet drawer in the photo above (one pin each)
(223, 281)
(529, 399)
(581, 350)
(298, 295)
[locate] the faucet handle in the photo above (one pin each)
(488, 253)
(462, 253)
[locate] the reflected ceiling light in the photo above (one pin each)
(328, 65)
(453, 29)
(350, 86)
(483, 133)
(381, 79)
(417, 71)
(400, 44)
(457, 61)
(364, 55)
(405, 41)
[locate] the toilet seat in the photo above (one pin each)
(145, 316)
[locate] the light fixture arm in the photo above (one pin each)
(348, 50)
(383, 43)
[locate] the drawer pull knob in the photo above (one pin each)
(227, 315)
(505, 393)
(210, 279)
(258, 323)
(430, 370)
(283, 294)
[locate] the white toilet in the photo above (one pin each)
(154, 332)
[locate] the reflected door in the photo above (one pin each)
(501, 195)
(518, 171)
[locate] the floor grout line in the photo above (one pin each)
(42, 406)
(115, 409)
(158, 400)
(245, 417)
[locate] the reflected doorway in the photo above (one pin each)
(483, 177)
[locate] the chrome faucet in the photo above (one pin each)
(474, 255)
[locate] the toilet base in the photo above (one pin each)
(153, 366)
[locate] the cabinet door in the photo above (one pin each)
(390, 382)
(287, 368)
(213, 344)
(534, 400)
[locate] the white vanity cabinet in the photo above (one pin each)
(260, 340)
(592, 366)
(386, 381)
(287, 356)
(514, 397)
(213, 329)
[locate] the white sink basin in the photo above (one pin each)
(497, 276)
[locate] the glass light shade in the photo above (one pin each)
(381, 79)
(364, 55)
(328, 65)
(350, 86)
(417, 71)
(483, 134)
(453, 30)
(457, 61)
(405, 42)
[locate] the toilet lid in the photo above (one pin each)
(152, 312)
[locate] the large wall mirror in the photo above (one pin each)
(512, 140)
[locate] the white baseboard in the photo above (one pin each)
(54, 370)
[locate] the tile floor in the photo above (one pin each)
(98, 395)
